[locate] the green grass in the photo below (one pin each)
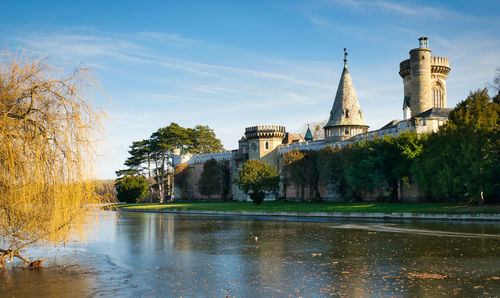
(446, 208)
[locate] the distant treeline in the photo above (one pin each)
(458, 163)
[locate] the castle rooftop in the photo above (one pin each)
(346, 110)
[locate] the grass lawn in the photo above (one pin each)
(446, 208)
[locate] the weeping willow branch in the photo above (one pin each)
(48, 133)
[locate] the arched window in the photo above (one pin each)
(437, 96)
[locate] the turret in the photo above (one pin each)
(424, 80)
(309, 136)
(346, 119)
(263, 140)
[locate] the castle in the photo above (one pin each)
(424, 102)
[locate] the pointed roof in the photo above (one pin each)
(308, 137)
(345, 110)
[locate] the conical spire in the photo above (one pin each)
(345, 110)
(308, 137)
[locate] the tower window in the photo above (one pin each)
(437, 96)
(347, 113)
(347, 131)
(267, 145)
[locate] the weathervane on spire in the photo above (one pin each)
(345, 57)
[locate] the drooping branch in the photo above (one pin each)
(47, 134)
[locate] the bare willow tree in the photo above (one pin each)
(47, 137)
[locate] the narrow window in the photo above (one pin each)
(437, 96)
(267, 145)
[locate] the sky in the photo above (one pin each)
(234, 64)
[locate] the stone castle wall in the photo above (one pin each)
(424, 81)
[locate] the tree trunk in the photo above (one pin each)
(159, 181)
(10, 254)
(172, 195)
(150, 184)
(162, 179)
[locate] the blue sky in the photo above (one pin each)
(233, 64)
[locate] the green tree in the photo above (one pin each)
(162, 143)
(369, 166)
(139, 162)
(204, 140)
(299, 169)
(256, 177)
(382, 164)
(153, 157)
(132, 189)
(461, 160)
(183, 179)
(225, 174)
(210, 180)
(331, 164)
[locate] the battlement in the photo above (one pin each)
(201, 158)
(302, 146)
(440, 61)
(440, 65)
(404, 68)
(265, 131)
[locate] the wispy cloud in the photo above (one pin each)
(70, 46)
(438, 11)
(399, 7)
(172, 39)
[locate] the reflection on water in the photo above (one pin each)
(148, 254)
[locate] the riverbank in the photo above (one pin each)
(446, 211)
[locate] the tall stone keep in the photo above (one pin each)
(424, 80)
(346, 118)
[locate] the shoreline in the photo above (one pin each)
(365, 215)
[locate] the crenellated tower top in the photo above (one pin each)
(265, 131)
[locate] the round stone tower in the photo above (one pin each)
(424, 80)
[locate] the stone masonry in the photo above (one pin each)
(424, 81)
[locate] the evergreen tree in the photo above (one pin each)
(203, 140)
(131, 189)
(153, 157)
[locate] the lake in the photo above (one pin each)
(161, 254)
